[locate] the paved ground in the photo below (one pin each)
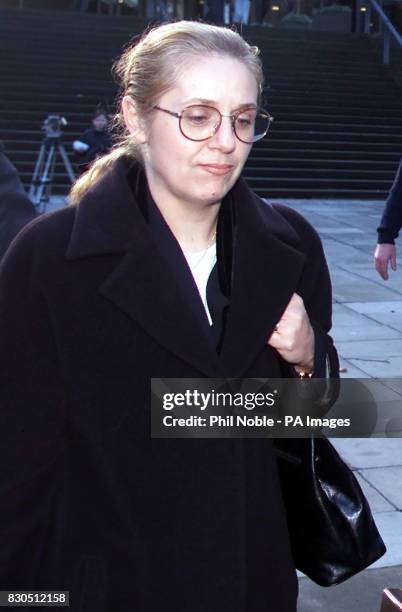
(362, 593)
(368, 334)
(367, 329)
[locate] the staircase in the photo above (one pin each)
(338, 114)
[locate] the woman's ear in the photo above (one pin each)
(132, 120)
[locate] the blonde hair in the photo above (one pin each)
(150, 67)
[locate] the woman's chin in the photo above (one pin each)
(218, 191)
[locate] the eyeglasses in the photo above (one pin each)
(198, 122)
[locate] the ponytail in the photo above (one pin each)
(97, 169)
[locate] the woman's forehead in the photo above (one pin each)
(214, 81)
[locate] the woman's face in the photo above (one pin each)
(199, 173)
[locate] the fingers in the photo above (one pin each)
(294, 340)
(393, 260)
(382, 268)
(295, 302)
(381, 263)
(275, 339)
(294, 310)
(291, 323)
(384, 255)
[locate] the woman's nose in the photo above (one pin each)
(224, 137)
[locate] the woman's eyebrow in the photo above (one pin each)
(215, 103)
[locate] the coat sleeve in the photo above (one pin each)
(32, 412)
(391, 220)
(316, 290)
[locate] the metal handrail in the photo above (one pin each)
(387, 28)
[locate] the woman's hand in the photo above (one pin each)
(383, 255)
(293, 337)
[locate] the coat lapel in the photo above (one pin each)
(162, 298)
(266, 271)
(161, 308)
(143, 284)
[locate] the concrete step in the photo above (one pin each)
(303, 182)
(260, 175)
(313, 143)
(311, 162)
(286, 192)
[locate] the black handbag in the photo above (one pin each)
(332, 531)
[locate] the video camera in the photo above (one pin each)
(53, 126)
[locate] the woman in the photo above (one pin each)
(122, 286)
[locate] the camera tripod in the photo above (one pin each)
(42, 179)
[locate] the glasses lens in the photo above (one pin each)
(251, 125)
(199, 122)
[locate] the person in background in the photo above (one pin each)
(260, 10)
(81, 5)
(94, 142)
(216, 12)
(241, 11)
(16, 209)
(388, 230)
(393, 10)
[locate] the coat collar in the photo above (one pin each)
(266, 268)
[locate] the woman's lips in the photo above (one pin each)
(218, 169)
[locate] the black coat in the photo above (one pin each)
(391, 220)
(90, 310)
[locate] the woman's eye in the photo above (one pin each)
(198, 118)
(244, 122)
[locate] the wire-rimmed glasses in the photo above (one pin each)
(199, 122)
